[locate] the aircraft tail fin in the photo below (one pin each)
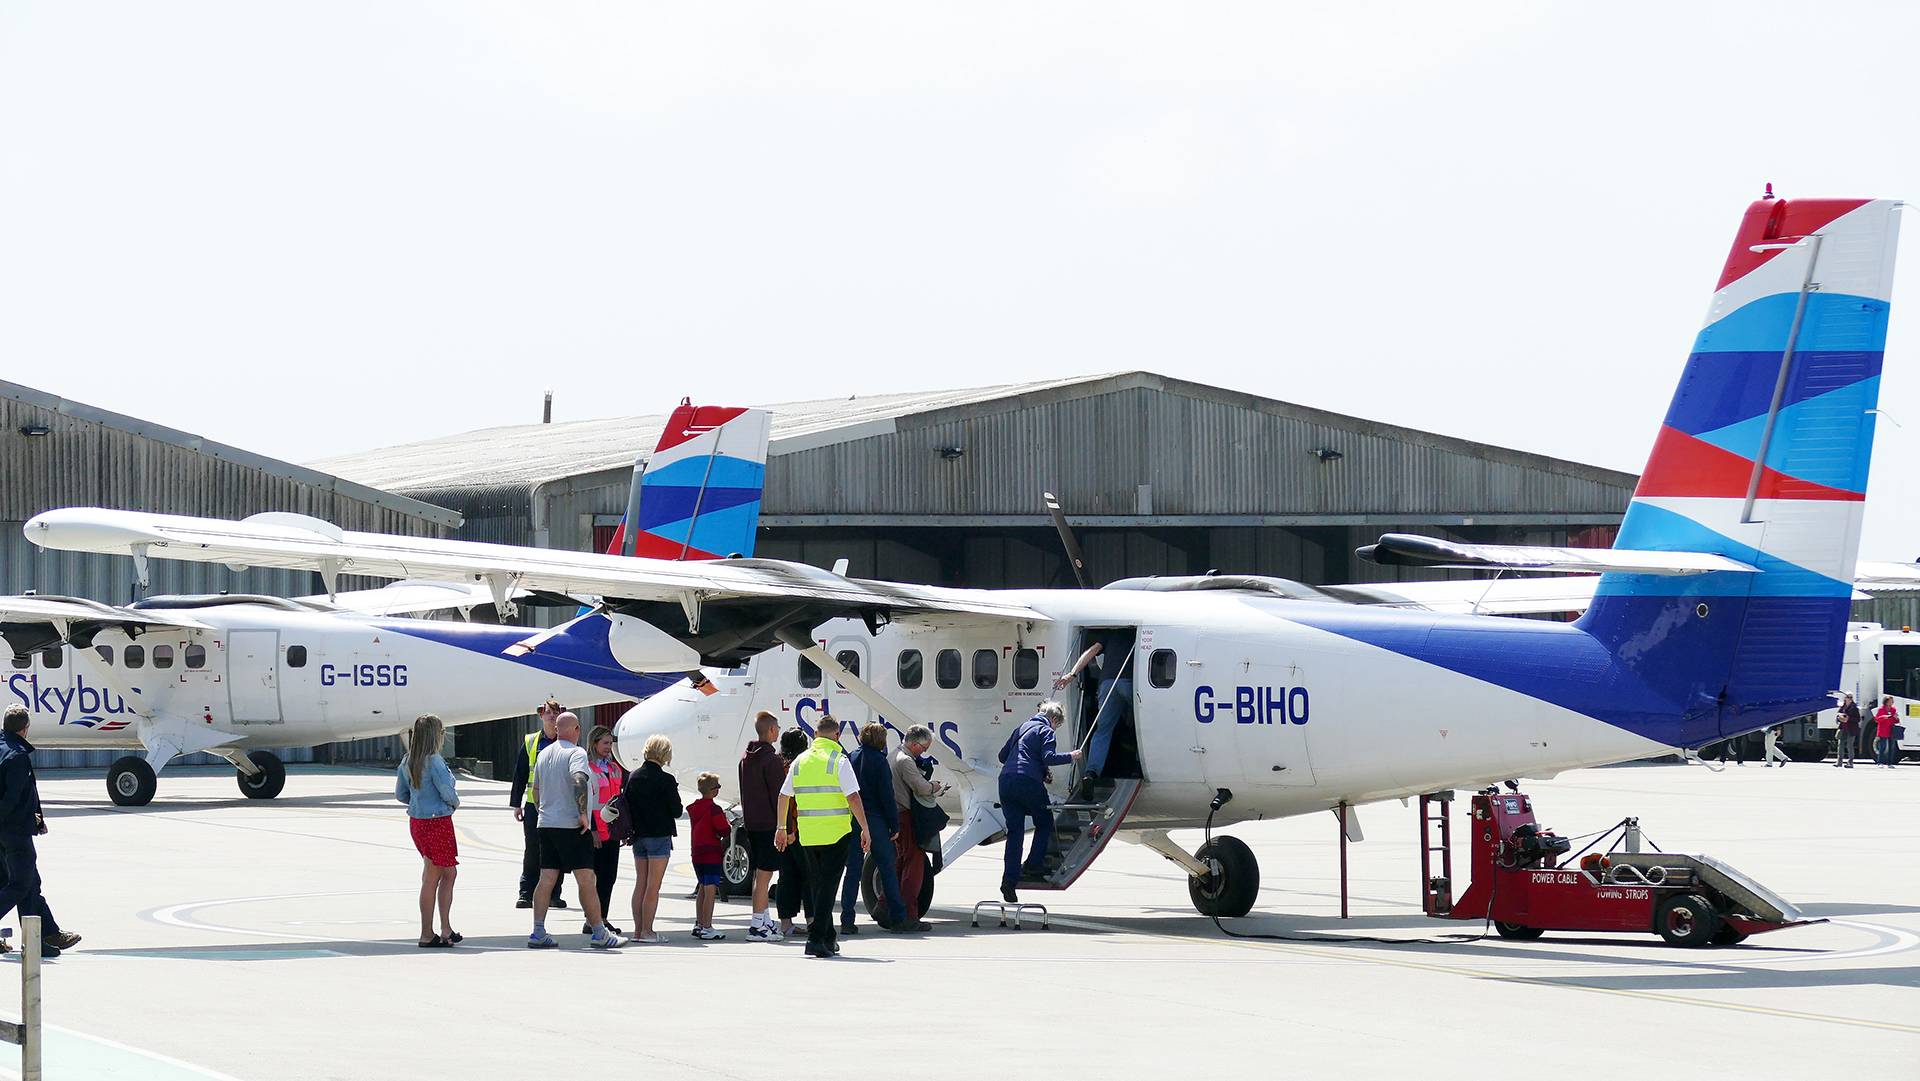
(699, 496)
(1762, 459)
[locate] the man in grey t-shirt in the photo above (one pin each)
(563, 791)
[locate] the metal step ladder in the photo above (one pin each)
(1082, 826)
(1436, 891)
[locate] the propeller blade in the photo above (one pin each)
(1067, 539)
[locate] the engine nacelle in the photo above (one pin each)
(640, 646)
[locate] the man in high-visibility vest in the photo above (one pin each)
(825, 796)
(526, 811)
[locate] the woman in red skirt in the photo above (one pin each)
(426, 787)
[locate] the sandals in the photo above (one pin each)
(438, 943)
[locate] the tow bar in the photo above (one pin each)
(1525, 882)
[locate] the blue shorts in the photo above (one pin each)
(707, 873)
(652, 848)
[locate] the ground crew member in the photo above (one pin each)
(826, 796)
(526, 811)
(20, 822)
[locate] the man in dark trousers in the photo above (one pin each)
(820, 785)
(20, 822)
(762, 771)
(526, 811)
(1846, 731)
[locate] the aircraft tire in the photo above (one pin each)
(271, 779)
(736, 867)
(875, 901)
(1516, 931)
(131, 782)
(1231, 891)
(1687, 919)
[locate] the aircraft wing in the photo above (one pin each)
(31, 623)
(762, 587)
(1406, 550)
(1876, 577)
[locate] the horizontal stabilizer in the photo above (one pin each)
(1406, 550)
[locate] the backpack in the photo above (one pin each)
(619, 823)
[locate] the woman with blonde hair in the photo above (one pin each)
(653, 803)
(425, 785)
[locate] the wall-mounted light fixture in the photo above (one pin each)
(32, 430)
(1327, 454)
(950, 453)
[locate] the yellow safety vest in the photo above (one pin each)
(533, 756)
(820, 808)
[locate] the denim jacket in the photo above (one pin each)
(435, 798)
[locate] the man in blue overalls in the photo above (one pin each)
(1114, 648)
(1023, 793)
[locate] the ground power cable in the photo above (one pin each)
(1430, 940)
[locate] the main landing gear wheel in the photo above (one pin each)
(1235, 882)
(876, 902)
(1517, 931)
(130, 782)
(268, 782)
(1687, 920)
(736, 867)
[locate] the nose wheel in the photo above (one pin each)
(1232, 881)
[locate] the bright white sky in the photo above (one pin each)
(316, 228)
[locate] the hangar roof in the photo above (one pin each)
(40, 407)
(525, 455)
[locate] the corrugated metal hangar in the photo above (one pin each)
(60, 453)
(1159, 475)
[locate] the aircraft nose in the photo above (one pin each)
(679, 713)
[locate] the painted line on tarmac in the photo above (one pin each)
(1567, 983)
(67, 1053)
(178, 916)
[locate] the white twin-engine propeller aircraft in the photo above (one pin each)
(234, 675)
(1722, 609)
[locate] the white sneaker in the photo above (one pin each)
(707, 934)
(611, 942)
(762, 933)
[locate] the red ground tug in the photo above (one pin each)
(1524, 879)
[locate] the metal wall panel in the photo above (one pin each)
(1195, 457)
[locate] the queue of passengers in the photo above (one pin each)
(810, 809)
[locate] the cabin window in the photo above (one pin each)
(1026, 668)
(53, 657)
(809, 673)
(1162, 666)
(946, 668)
(908, 669)
(105, 652)
(134, 656)
(296, 656)
(849, 660)
(195, 655)
(163, 656)
(986, 668)
(23, 660)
